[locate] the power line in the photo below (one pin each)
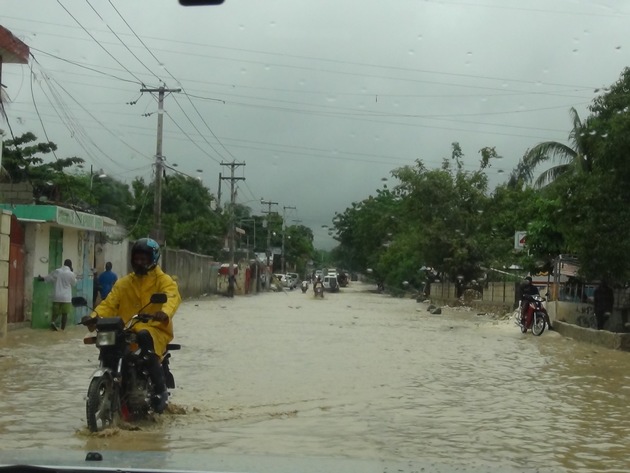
(197, 129)
(78, 64)
(134, 33)
(322, 59)
(100, 45)
(191, 140)
(179, 83)
(116, 135)
(502, 92)
(74, 126)
(122, 42)
(52, 148)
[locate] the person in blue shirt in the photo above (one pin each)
(106, 280)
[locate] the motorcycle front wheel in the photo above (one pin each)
(100, 405)
(538, 324)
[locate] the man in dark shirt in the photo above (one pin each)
(603, 303)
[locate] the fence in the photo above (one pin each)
(499, 295)
(196, 274)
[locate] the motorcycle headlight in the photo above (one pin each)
(104, 339)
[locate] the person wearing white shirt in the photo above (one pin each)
(63, 279)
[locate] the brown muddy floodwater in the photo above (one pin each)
(357, 375)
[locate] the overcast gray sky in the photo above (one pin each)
(321, 99)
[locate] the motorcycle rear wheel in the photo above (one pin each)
(538, 324)
(100, 405)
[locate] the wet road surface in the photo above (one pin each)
(357, 375)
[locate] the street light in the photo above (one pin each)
(92, 176)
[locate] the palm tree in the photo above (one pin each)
(572, 158)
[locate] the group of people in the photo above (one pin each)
(64, 279)
(123, 298)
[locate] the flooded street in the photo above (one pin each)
(356, 375)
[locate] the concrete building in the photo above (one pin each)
(51, 234)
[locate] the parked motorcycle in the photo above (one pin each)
(121, 387)
(536, 317)
(304, 286)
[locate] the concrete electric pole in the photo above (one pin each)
(233, 165)
(157, 234)
(268, 212)
(284, 228)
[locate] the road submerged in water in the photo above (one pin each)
(357, 375)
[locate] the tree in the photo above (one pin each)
(25, 161)
(299, 247)
(187, 217)
(574, 158)
(365, 229)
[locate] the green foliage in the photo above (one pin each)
(187, 218)
(446, 219)
(25, 160)
(298, 247)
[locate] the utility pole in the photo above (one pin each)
(233, 165)
(284, 227)
(219, 193)
(268, 212)
(157, 234)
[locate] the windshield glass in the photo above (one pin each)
(412, 161)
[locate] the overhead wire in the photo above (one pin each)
(503, 92)
(123, 43)
(52, 148)
(203, 150)
(75, 127)
(197, 130)
(343, 62)
(100, 45)
(177, 81)
(81, 65)
(115, 135)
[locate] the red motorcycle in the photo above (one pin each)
(535, 318)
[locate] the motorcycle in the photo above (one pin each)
(121, 387)
(318, 289)
(304, 286)
(536, 317)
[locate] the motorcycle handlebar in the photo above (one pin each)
(143, 317)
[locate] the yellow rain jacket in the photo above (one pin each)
(132, 292)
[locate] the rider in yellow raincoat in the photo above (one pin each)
(133, 292)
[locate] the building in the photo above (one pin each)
(42, 237)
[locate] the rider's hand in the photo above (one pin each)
(89, 322)
(161, 317)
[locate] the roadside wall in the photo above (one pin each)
(193, 272)
(604, 338)
(5, 245)
(496, 297)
